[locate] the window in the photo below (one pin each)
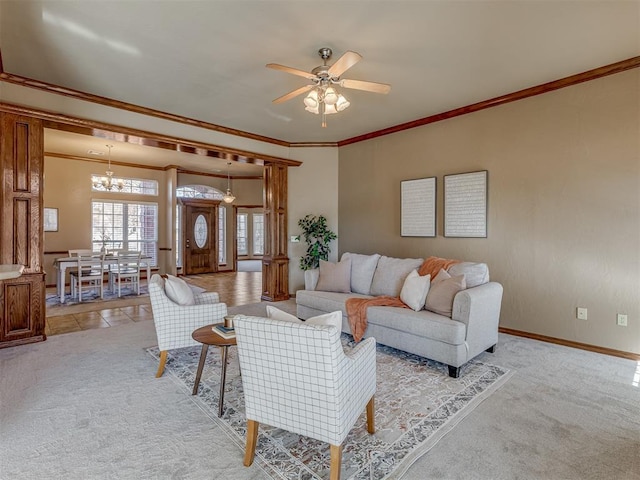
(199, 191)
(131, 185)
(241, 233)
(132, 226)
(258, 234)
(222, 235)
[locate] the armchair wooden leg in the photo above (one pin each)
(336, 462)
(163, 360)
(252, 439)
(371, 426)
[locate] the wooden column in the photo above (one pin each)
(22, 300)
(275, 262)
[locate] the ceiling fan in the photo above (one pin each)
(323, 96)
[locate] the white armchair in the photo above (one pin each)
(175, 323)
(298, 378)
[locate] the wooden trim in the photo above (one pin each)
(217, 175)
(89, 97)
(1, 66)
(312, 144)
(100, 160)
(572, 344)
(119, 133)
(589, 75)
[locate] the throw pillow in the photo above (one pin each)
(362, 269)
(390, 274)
(277, 314)
(335, 277)
(442, 291)
(414, 291)
(333, 319)
(178, 291)
(474, 273)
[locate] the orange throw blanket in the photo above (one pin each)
(357, 311)
(432, 266)
(357, 307)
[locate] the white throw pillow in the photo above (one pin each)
(442, 291)
(178, 291)
(415, 289)
(333, 319)
(277, 314)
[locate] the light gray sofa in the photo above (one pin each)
(471, 329)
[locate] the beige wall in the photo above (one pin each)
(313, 189)
(564, 204)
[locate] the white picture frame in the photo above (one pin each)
(465, 205)
(418, 207)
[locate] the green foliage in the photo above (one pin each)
(317, 235)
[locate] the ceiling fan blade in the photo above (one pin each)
(344, 63)
(293, 71)
(295, 93)
(368, 86)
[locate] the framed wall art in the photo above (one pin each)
(50, 219)
(418, 207)
(465, 205)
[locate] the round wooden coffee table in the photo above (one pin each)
(207, 336)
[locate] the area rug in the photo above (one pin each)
(53, 300)
(416, 404)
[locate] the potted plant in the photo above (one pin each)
(317, 235)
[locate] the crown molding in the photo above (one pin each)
(589, 75)
(593, 74)
(119, 133)
(109, 102)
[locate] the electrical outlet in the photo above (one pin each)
(295, 238)
(581, 313)
(622, 319)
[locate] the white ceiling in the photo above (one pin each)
(206, 59)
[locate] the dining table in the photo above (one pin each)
(62, 264)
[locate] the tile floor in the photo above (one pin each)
(235, 288)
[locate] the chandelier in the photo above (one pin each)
(228, 197)
(325, 100)
(108, 182)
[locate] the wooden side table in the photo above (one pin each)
(206, 336)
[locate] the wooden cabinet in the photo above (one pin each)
(22, 307)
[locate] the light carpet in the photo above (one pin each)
(416, 404)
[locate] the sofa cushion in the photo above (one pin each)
(422, 324)
(474, 273)
(335, 277)
(391, 273)
(325, 301)
(442, 291)
(178, 291)
(415, 289)
(362, 269)
(333, 319)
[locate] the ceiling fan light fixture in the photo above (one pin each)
(330, 96)
(312, 109)
(342, 103)
(311, 100)
(330, 109)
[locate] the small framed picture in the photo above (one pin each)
(50, 219)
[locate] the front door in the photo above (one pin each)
(199, 236)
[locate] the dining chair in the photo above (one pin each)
(127, 270)
(88, 275)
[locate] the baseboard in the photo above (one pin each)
(569, 343)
